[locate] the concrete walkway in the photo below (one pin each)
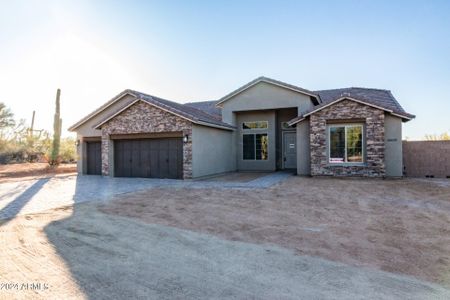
(31, 196)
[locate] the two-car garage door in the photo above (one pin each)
(154, 158)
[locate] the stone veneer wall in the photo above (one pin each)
(374, 140)
(145, 118)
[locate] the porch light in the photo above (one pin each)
(185, 138)
(77, 143)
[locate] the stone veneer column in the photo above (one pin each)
(105, 153)
(187, 155)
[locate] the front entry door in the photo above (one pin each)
(289, 150)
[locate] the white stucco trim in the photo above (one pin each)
(162, 108)
(266, 80)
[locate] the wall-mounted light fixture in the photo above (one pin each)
(77, 143)
(185, 138)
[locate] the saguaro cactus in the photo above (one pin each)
(57, 124)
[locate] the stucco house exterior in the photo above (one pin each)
(265, 125)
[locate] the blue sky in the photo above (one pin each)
(201, 50)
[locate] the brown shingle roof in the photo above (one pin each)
(188, 111)
(208, 107)
(378, 97)
(382, 99)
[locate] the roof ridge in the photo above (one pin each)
(157, 99)
(353, 87)
(366, 88)
(203, 101)
(270, 81)
(193, 116)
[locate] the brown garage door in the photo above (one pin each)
(153, 158)
(94, 158)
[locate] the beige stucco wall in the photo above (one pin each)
(212, 151)
(393, 146)
(259, 165)
(264, 96)
(303, 151)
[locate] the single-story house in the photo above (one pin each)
(265, 125)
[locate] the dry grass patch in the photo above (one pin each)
(14, 172)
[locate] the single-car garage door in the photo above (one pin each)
(94, 158)
(154, 158)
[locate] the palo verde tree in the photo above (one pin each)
(57, 124)
(6, 117)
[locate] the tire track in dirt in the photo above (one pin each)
(29, 258)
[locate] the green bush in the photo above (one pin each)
(68, 150)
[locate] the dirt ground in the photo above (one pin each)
(399, 226)
(303, 238)
(25, 171)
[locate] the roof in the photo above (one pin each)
(208, 113)
(187, 112)
(380, 99)
(271, 81)
(208, 107)
(98, 110)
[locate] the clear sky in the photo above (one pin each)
(201, 50)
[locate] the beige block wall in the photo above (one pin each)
(426, 158)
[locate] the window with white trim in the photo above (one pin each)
(346, 143)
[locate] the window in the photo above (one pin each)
(255, 125)
(255, 146)
(346, 143)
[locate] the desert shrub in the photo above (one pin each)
(68, 150)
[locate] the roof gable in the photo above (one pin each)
(318, 108)
(185, 112)
(378, 97)
(269, 81)
(102, 108)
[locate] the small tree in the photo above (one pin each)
(57, 124)
(6, 118)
